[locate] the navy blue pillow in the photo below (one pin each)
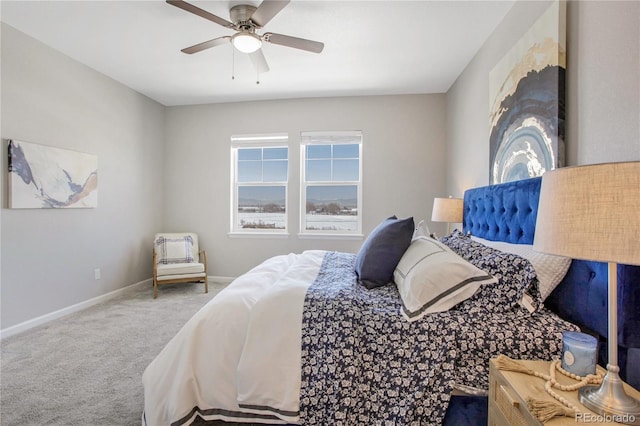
(382, 250)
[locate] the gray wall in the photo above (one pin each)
(403, 147)
(49, 256)
(603, 89)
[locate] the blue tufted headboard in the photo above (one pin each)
(507, 212)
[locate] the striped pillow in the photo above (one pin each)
(174, 250)
(432, 278)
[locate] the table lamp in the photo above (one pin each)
(447, 210)
(592, 213)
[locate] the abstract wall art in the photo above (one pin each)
(527, 102)
(45, 177)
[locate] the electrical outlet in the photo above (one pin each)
(96, 273)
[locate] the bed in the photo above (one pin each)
(302, 339)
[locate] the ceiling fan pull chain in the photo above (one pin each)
(233, 63)
(257, 76)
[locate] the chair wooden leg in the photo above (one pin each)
(155, 274)
(203, 258)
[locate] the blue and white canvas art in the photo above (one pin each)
(45, 177)
(527, 102)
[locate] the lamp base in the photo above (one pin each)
(610, 399)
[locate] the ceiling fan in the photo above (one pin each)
(245, 20)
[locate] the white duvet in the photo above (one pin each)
(238, 358)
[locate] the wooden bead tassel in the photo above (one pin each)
(546, 410)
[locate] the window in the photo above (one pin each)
(331, 188)
(260, 168)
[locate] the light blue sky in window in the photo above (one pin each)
(247, 154)
(345, 170)
(318, 151)
(262, 164)
(276, 153)
(318, 170)
(249, 171)
(332, 163)
(274, 171)
(346, 151)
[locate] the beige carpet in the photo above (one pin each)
(86, 368)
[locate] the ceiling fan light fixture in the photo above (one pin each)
(246, 42)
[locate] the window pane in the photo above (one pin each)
(275, 153)
(331, 182)
(332, 208)
(346, 151)
(346, 170)
(261, 207)
(249, 154)
(318, 170)
(318, 151)
(249, 171)
(253, 168)
(275, 171)
(261, 169)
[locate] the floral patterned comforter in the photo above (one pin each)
(363, 363)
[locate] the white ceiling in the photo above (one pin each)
(371, 47)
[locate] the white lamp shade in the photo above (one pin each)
(591, 213)
(246, 42)
(447, 210)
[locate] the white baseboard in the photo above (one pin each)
(222, 280)
(24, 326)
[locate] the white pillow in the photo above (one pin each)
(432, 278)
(549, 268)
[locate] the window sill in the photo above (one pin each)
(303, 236)
(258, 235)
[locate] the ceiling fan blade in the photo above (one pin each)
(267, 10)
(206, 45)
(200, 12)
(295, 42)
(259, 61)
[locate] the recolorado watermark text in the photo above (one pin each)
(605, 418)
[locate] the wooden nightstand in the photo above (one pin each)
(509, 391)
